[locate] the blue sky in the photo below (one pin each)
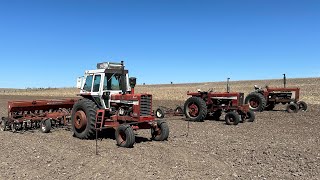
(49, 43)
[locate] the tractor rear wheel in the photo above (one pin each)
(125, 136)
(292, 108)
(302, 105)
(161, 132)
(256, 101)
(160, 113)
(45, 126)
(195, 109)
(83, 119)
(232, 118)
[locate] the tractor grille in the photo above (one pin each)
(241, 99)
(145, 105)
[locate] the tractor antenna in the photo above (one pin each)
(284, 80)
(228, 86)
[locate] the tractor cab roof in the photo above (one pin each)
(107, 67)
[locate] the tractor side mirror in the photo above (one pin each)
(132, 82)
(80, 81)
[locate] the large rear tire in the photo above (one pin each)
(125, 136)
(195, 109)
(256, 101)
(83, 119)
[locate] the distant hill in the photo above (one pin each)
(310, 89)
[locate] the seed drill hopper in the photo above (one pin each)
(43, 114)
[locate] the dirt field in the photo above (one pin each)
(277, 145)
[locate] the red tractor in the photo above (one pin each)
(266, 99)
(208, 104)
(108, 101)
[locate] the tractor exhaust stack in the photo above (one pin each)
(228, 86)
(123, 79)
(284, 80)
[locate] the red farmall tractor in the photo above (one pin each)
(266, 99)
(208, 104)
(108, 101)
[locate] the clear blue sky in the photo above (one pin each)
(49, 43)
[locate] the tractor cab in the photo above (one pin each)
(108, 79)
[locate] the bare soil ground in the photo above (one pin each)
(277, 145)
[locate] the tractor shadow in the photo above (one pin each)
(110, 134)
(140, 139)
(206, 119)
(276, 110)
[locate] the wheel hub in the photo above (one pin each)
(80, 120)
(254, 103)
(159, 114)
(122, 137)
(193, 110)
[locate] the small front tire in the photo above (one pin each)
(125, 136)
(161, 132)
(232, 118)
(292, 108)
(302, 106)
(250, 116)
(160, 113)
(45, 126)
(3, 125)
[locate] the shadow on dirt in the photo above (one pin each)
(110, 134)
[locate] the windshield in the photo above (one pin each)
(112, 82)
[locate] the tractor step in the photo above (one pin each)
(100, 119)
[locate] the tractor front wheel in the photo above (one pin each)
(250, 116)
(160, 132)
(302, 105)
(125, 136)
(232, 118)
(292, 108)
(195, 109)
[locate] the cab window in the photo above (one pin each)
(96, 83)
(112, 82)
(88, 84)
